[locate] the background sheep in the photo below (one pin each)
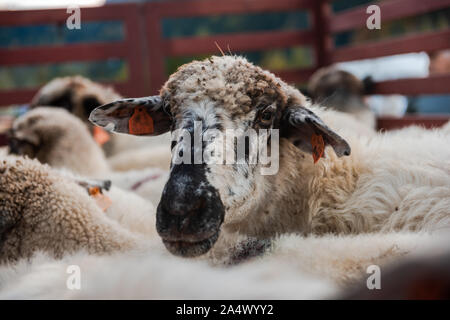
(76, 94)
(43, 210)
(80, 96)
(57, 138)
(155, 156)
(344, 92)
(53, 137)
(390, 182)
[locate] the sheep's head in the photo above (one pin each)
(76, 94)
(39, 131)
(339, 89)
(215, 177)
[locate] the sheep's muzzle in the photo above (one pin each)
(190, 212)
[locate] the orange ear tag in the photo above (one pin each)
(103, 201)
(318, 146)
(140, 122)
(100, 136)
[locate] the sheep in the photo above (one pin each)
(343, 91)
(385, 183)
(51, 136)
(79, 96)
(75, 94)
(43, 210)
(57, 138)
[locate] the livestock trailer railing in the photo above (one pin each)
(131, 49)
(238, 42)
(145, 50)
(424, 41)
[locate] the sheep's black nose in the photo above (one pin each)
(183, 204)
(187, 203)
(184, 216)
(190, 209)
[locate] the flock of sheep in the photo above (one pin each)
(114, 205)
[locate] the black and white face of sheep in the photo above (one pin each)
(201, 102)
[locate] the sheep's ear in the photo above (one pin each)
(136, 116)
(310, 134)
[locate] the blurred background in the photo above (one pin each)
(135, 45)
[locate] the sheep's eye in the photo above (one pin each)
(267, 116)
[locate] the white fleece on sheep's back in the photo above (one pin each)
(404, 184)
(155, 275)
(147, 183)
(132, 212)
(414, 171)
(153, 156)
(344, 259)
(296, 268)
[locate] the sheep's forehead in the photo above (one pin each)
(35, 115)
(228, 83)
(24, 121)
(55, 86)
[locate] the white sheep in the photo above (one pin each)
(41, 209)
(389, 182)
(80, 96)
(55, 137)
(155, 156)
(341, 90)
